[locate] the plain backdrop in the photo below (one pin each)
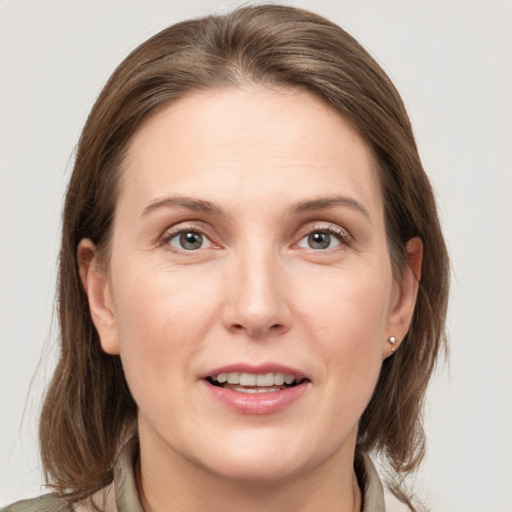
(452, 62)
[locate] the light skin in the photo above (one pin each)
(287, 263)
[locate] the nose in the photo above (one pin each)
(258, 302)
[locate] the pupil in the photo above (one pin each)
(190, 241)
(319, 240)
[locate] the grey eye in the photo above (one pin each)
(188, 240)
(319, 240)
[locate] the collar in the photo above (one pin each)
(373, 493)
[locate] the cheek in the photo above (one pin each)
(348, 310)
(346, 318)
(148, 296)
(161, 317)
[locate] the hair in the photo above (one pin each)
(88, 408)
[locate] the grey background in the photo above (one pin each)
(452, 62)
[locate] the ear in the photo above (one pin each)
(95, 281)
(404, 296)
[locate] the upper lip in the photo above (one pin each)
(256, 370)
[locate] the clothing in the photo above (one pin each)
(121, 495)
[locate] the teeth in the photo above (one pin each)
(233, 378)
(247, 379)
(288, 379)
(264, 381)
(278, 379)
(257, 389)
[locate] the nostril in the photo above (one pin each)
(274, 328)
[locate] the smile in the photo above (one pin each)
(264, 389)
(255, 383)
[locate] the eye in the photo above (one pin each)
(321, 239)
(188, 240)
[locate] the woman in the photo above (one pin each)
(242, 317)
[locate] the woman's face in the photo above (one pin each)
(248, 251)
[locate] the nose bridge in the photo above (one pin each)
(258, 303)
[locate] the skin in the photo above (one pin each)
(255, 292)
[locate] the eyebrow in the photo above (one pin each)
(324, 203)
(189, 203)
(203, 206)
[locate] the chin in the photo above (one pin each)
(261, 460)
(258, 471)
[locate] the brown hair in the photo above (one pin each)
(88, 406)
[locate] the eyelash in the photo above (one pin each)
(343, 237)
(166, 238)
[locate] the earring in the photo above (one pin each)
(392, 340)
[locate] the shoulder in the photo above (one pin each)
(103, 500)
(45, 503)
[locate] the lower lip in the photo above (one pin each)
(257, 403)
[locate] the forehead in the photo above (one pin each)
(248, 143)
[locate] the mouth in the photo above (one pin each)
(243, 382)
(256, 390)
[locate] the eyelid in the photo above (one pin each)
(196, 227)
(344, 236)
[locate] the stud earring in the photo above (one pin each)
(392, 340)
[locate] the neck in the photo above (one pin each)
(166, 483)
